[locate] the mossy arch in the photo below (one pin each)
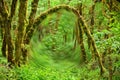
(81, 22)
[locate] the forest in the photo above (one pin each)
(59, 40)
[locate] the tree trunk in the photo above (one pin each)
(29, 26)
(80, 38)
(92, 22)
(20, 35)
(83, 53)
(87, 31)
(4, 15)
(110, 68)
(7, 45)
(4, 46)
(9, 41)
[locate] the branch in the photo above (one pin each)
(53, 10)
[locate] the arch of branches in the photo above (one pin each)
(81, 26)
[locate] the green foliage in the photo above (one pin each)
(54, 59)
(30, 72)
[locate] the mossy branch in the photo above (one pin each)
(97, 54)
(53, 10)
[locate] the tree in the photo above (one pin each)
(26, 39)
(6, 25)
(20, 34)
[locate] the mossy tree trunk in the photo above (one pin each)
(83, 53)
(1, 21)
(110, 68)
(7, 45)
(92, 22)
(108, 51)
(80, 38)
(21, 27)
(29, 26)
(4, 15)
(97, 54)
(9, 38)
